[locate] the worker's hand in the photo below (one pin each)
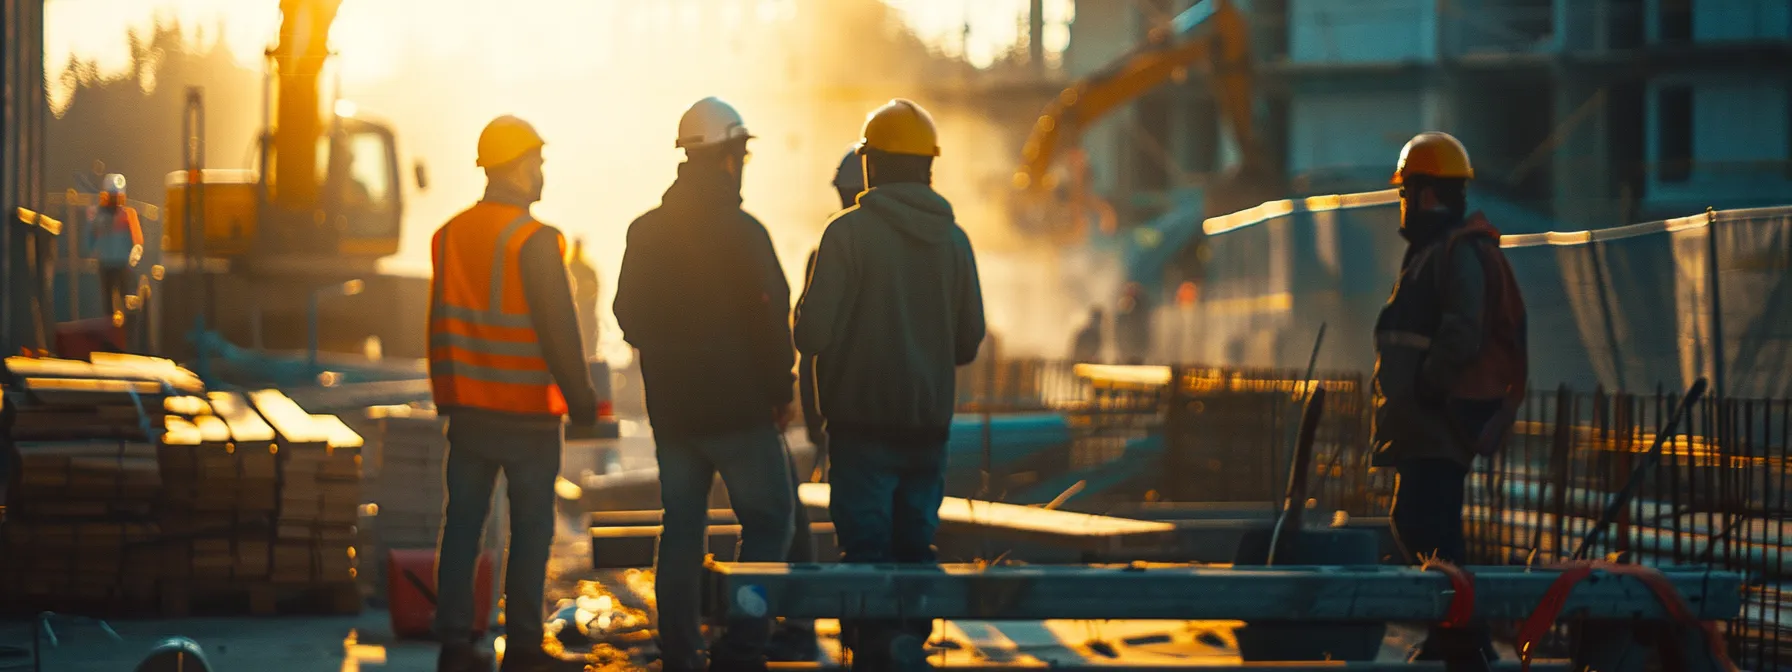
(136, 255)
(782, 414)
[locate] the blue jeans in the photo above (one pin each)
(529, 456)
(756, 470)
(886, 508)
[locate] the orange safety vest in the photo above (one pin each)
(483, 350)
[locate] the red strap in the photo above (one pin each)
(1462, 584)
(1544, 617)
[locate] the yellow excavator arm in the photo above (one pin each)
(299, 57)
(1213, 32)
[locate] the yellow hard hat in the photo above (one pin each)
(506, 139)
(901, 127)
(1433, 154)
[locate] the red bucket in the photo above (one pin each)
(411, 592)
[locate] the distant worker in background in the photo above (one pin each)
(506, 367)
(1132, 325)
(116, 239)
(703, 298)
(1450, 361)
(1087, 347)
(893, 307)
(584, 295)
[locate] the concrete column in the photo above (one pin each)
(1581, 172)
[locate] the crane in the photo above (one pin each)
(1212, 33)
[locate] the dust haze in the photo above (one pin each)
(605, 83)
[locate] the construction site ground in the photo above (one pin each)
(365, 641)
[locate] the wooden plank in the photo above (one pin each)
(291, 422)
(340, 436)
(92, 391)
(189, 406)
(245, 425)
(1360, 594)
(137, 369)
(972, 512)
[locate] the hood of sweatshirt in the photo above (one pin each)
(913, 209)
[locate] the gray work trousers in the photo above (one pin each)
(529, 457)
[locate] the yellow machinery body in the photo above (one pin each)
(231, 199)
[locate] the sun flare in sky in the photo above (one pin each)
(605, 82)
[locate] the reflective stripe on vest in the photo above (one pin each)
(1403, 339)
(486, 356)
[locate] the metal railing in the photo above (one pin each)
(1718, 496)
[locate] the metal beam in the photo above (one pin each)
(1302, 666)
(1361, 594)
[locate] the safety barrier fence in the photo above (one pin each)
(1720, 494)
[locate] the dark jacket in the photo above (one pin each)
(893, 306)
(805, 382)
(548, 289)
(1429, 331)
(701, 295)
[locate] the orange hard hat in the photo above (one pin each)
(506, 139)
(1433, 154)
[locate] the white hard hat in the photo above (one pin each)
(710, 122)
(112, 183)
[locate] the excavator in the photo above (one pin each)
(260, 248)
(1212, 35)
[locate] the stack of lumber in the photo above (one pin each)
(320, 495)
(222, 502)
(404, 482)
(115, 397)
(218, 464)
(85, 507)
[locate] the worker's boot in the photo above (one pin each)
(462, 657)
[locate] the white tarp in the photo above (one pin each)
(1629, 308)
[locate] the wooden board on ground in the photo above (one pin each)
(1081, 530)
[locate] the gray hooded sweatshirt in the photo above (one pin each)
(892, 308)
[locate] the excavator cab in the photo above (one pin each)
(360, 192)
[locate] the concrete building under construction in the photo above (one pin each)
(1586, 113)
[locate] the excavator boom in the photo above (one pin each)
(299, 58)
(1212, 32)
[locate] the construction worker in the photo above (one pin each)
(117, 242)
(893, 306)
(584, 286)
(1087, 346)
(505, 365)
(1440, 324)
(1132, 325)
(703, 298)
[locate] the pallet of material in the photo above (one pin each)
(320, 492)
(55, 564)
(85, 479)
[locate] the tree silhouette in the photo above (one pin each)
(131, 120)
